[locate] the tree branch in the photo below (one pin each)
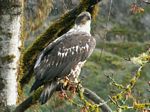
(32, 100)
(96, 99)
(146, 1)
(55, 30)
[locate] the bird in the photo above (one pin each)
(64, 57)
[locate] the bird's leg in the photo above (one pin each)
(62, 93)
(73, 86)
(66, 81)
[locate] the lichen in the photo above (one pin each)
(1, 84)
(7, 58)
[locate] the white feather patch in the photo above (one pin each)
(38, 61)
(87, 46)
(74, 74)
(59, 53)
(77, 47)
(84, 28)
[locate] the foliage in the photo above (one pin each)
(126, 92)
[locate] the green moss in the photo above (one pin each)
(37, 94)
(21, 48)
(20, 94)
(7, 58)
(94, 11)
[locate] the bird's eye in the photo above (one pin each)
(88, 18)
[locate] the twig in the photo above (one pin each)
(96, 99)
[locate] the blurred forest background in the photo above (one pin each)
(120, 34)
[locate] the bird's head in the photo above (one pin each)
(83, 18)
(83, 22)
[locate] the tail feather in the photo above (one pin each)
(48, 91)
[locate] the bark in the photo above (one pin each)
(58, 28)
(96, 99)
(10, 12)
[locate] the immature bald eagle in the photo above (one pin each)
(64, 57)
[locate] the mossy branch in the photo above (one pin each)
(33, 99)
(59, 27)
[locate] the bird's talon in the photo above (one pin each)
(62, 94)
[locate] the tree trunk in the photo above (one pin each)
(10, 15)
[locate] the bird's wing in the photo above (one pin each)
(57, 60)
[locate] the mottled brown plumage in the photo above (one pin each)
(64, 57)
